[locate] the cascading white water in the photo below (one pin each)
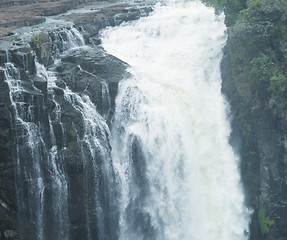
(93, 142)
(39, 163)
(29, 142)
(179, 176)
(56, 163)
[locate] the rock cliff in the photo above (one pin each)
(57, 86)
(254, 82)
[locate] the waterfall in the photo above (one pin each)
(178, 175)
(30, 145)
(40, 170)
(155, 164)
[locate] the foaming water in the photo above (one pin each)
(178, 175)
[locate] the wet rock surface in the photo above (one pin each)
(89, 72)
(259, 136)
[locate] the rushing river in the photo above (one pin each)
(179, 177)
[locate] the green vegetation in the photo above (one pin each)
(265, 45)
(35, 38)
(257, 48)
(264, 222)
(80, 226)
(11, 203)
(17, 38)
(256, 62)
(35, 41)
(248, 12)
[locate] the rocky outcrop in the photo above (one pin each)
(93, 72)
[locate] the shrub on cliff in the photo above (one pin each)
(258, 48)
(265, 45)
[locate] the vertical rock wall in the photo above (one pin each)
(259, 136)
(8, 223)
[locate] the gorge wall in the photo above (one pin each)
(255, 84)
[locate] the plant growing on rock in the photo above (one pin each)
(35, 41)
(17, 38)
(264, 222)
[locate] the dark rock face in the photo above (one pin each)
(259, 134)
(254, 81)
(254, 60)
(93, 72)
(55, 115)
(7, 186)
